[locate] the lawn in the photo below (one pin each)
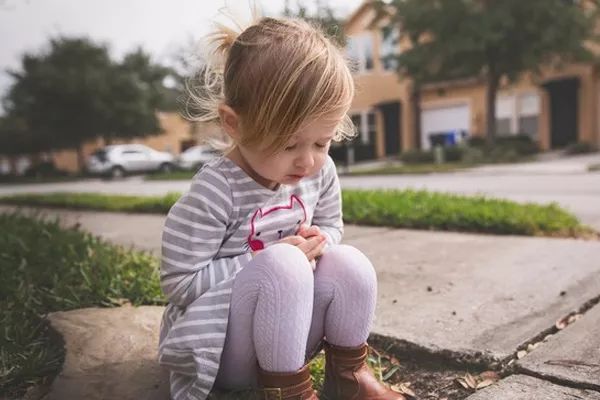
(390, 208)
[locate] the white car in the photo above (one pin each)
(196, 156)
(121, 159)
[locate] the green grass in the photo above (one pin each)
(391, 208)
(96, 201)
(18, 180)
(412, 169)
(47, 268)
(440, 211)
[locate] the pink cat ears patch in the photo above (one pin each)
(295, 204)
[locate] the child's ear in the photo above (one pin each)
(229, 121)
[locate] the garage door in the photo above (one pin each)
(443, 119)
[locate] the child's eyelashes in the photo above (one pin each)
(295, 146)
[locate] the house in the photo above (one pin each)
(557, 108)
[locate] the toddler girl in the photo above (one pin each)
(256, 279)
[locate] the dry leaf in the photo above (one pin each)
(521, 354)
(531, 347)
(403, 388)
(573, 318)
(485, 383)
(467, 381)
(470, 379)
(493, 375)
(463, 383)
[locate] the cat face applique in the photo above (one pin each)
(268, 227)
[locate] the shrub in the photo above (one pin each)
(417, 157)
(44, 169)
(581, 148)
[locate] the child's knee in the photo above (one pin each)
(285, 260)
(349, 261)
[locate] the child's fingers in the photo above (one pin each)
(313, 246)
(293, 240)
(302, 229)
(313, 231)
(317, 251)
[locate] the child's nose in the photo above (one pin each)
(306, 160)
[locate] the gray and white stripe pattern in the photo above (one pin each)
(204, 245)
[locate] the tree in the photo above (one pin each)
(134, 91)
(324, 16)
(489, 39)
(73, 92)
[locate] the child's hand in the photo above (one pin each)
(311, 231)
(308, 231)
(312, 247)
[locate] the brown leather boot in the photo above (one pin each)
(347, 376)
(286, 385)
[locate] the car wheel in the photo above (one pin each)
(117, 172)
(166, 168)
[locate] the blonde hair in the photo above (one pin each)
(278, 75)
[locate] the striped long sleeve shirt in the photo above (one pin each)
(208, 236)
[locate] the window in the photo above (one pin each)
(389, 48)
(529, 111)
(366, 126)
(360, 49)
(505, 109)
(518, 114)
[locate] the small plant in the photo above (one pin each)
(581, 148)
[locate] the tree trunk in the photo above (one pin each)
(80, 159)
(416, 106)
(492, 91)
(13, 164)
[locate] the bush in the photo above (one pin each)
(454, 154)
(45, 169)
(581, 148)
(417, 157)
(47, 268)
(506, 148)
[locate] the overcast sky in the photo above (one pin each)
(161, 27)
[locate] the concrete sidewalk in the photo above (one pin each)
(475, 298)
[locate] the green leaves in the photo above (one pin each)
(73, 92)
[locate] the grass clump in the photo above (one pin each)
(47, 268)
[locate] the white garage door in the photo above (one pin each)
(443, 119)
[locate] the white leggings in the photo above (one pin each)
(281, 310)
